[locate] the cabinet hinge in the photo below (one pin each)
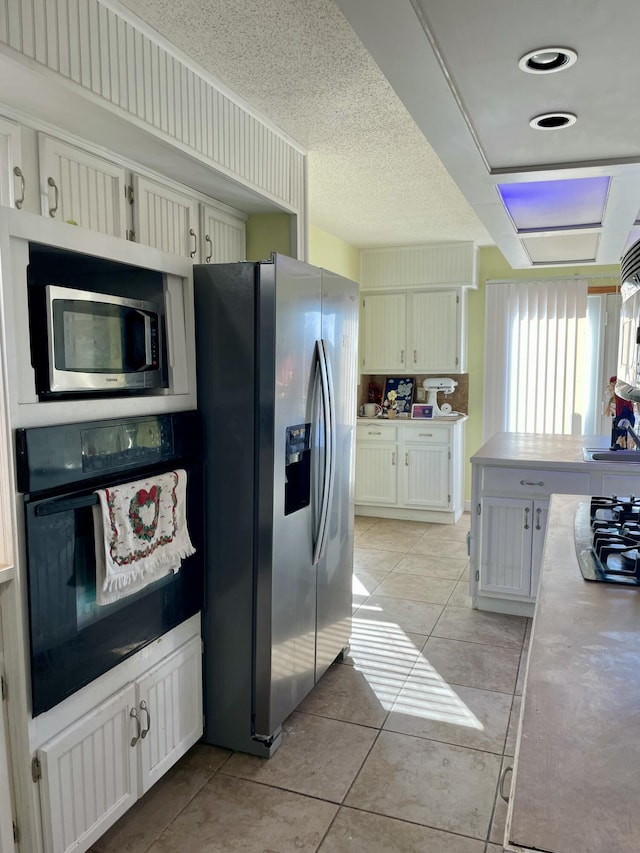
(364, 303)
(3, 688)
(448, 499)
(457, 299)
(36, 769)
(457, 359)
(449, 454)
(479, 509)
(477, 575)
(16, 833)
(130, 234)
(128, 193)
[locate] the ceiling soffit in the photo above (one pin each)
(458, 75)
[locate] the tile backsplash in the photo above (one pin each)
(459, 400)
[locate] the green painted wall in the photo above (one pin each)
(333, 254)
(493, 266)
(266, 233)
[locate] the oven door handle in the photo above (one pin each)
(66, 504)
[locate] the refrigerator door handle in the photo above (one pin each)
(328, 473)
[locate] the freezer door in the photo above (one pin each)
(286, 576)
(334, 573)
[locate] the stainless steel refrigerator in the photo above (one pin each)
(276, 345)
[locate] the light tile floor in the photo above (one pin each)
(398, 748)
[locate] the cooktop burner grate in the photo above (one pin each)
(607, 538)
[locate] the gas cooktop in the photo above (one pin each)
(607, 537)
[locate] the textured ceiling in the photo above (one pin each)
(373, 177)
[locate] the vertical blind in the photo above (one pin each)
(536, 357)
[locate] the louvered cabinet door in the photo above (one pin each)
(89, 777)
(80, 188)
(165, 219)
(170, 710)
(224, 238)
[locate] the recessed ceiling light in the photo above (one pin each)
(553, 121)
(546, 60)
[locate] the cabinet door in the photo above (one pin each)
(383, 332)
(81, 188)
(505, 548)
(539, 520)
(6, 798)
(426, 476)
(376, 480)
(11, 189)
(224, 238)
(165, 218)
(433, 340)
(170, 710)
(89, 776)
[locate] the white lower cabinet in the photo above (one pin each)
(508, 530)
(410, 470)
(513, 537)
(96, 768)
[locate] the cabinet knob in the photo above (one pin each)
(401, 356)
(393, 458)
(538, 514)
(526, 518)
(208, 240)
(531, 483)
(193, 234)
(406, 459)
(415, 356)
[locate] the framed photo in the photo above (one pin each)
(403, 386)
(421, 410)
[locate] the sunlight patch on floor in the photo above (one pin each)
(402, 679)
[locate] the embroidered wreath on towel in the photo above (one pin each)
(142, 505)
(145, 528)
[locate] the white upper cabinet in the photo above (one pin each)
(165, 218)
(383, 332)
(11, 173)
(224, 238)
(434, 329)
(416, 331)
(81, 188)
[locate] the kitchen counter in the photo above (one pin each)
(422, 421)
(578, 753)
(531, 450)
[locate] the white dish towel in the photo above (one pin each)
(141, 534)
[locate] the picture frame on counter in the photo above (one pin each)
(421, 410)
(403, 387)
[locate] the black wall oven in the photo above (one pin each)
(73, 640)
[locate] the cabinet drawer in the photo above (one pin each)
(427, 432)
(533, 481)
(376, 432)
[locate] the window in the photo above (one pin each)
(549, 352)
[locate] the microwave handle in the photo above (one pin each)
(147, 340)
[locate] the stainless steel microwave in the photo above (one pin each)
(95, 343)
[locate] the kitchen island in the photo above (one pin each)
(513, 478)
(577, 755)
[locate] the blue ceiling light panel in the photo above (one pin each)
(546, 205)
